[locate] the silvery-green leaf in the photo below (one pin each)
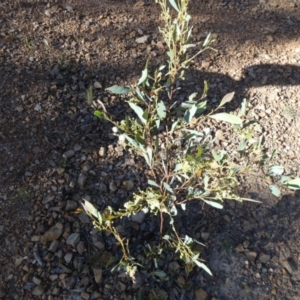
(214, 204)
(90, 209)
(161, 110)
(174, 4)
(205, 180)
(143, 77)
(161, 68)
(207, 40)
(203, 266)
(138, 110)
(227, 118)
(215, 156)
(276, 170)
(170, 54)
(275, 190)
(286, 177)
(227, 98)
(101, 114)
(116, 89)
(168, 188)
(192, 96)
(174, 126)
(160, 274)
(293, 184)
(151, 182)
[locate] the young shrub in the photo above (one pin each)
(166, 134)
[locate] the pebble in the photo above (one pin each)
(112, 186)
(98, 275)
(264, 258)
(71, 205)
(128, 185)
(102, 151)
(84, 218)
(69, 282)
(200, 294)
(53, 233)
(139, 217)
(53, 246)
(68, 257)
(82, 180)
(73, 239)
(69, 154)
(251, 255)
(38, 290)
(81, 247)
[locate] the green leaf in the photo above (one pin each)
(203, 266)
(101, 115)
(160, 274)
(139, 138)
(174, 4)
(276, 170)
(91, 210)
(116, 89)
(131, 141)
(214, 204)
(174, 126)
(243, 108)
(189, 114)
(144, 74)
(205, 89)
(215, 156)
(168, 188)
(227, 118)
(201, 107)
(138, 110)
(207, 40)
(153, 183)
(199, 153)
(170, 54)
(227, 98)
(192, 96)
(161, 110)
(206, 180)
(275, 190)
(286, 177)
(150, 155)
(293, 184)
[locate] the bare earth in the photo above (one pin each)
(54, 152)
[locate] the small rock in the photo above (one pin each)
(251, 255)
(239, 248)
(82, 180)
(102, 151)
(227, 218)
(69, 282)
(48, 199)
(53, 247)
(73, 239)
(84, 218)
(102, 187)
(120, 286)
(142, 39)
(85, 295)
(81, 247)
(86, 166)
(200, 294)
(287, 265)
(77, 147)
(128, 185)
(71, 205)
(53, 233)
(38, 290)
(264, 258)
(36, 280)
(246, 244)
(205, 235)
(68, 257)
(98, 275)
(68, 154)
(53, 277)
(97, 85)
(139, 217)
(112, 186)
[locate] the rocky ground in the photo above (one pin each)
(54, 152)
